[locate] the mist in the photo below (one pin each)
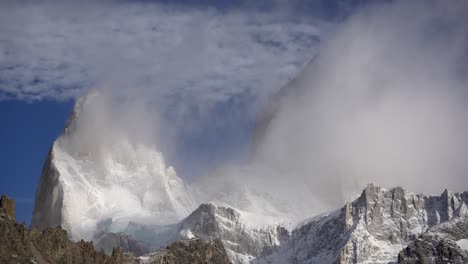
(385, 102)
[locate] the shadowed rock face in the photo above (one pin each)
(49, 196)
(438, 245)
(7, 207)
(432, 249)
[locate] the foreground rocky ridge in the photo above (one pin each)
(52, 245)
(22, 245)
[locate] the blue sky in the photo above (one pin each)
(26, 135)
(208, 66)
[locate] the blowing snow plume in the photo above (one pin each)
(384, 102)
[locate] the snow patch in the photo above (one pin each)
(186, 233)
(463, 244)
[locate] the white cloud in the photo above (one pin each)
(201, 70)
(59, 50)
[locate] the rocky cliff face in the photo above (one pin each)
(372, 229)
(211, 222)
(432, 249)
(7, 207)
(438, 245)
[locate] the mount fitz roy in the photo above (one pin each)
(101, 186)
(105, 195)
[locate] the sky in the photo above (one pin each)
(207, 66)
(27, 133)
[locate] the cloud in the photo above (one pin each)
(58, 51)
(385, 102)
(201, 68)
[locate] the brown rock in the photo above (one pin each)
(52, 246)
(194, 251)
(7, 206)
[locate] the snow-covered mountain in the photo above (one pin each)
(373, 228)
(121, 193)
(100, 186)
(84, 186)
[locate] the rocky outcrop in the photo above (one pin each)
(22, 245)
(381, 222)
(7, 207)
(48, 203)
(438, 244)
(194, 251)
(432, 249)
(211, 222)
(52, 245)
(372, 229)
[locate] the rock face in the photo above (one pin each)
(438, 244)
(211, 222)
(194, 251)
(372, 229)
(48, 203)
(7, 207)
(432, 249)
(20, 245)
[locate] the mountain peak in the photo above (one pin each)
(90, 176)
